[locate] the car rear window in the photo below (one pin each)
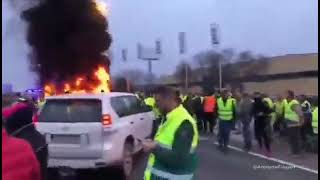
(71, 110)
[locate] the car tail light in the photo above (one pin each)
(35, 118)
(106, 120)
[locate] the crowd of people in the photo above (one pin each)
(179, 121)
(289, 116)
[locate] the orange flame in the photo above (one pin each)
(67, 87)
(100, 84)
(49, 90)
(78, 81)
(104, 79)
(102, 7)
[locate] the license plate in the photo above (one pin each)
(65, 139)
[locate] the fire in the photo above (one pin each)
(102, 7)
(67, 87)
(100, 82)
(104, 79)
(78, 81)
(49, 90)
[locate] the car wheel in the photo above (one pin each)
(127, 160)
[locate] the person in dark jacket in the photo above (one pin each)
(188, 104)
(306, 129)
(198, 110)
(260, 112)
(19, 124)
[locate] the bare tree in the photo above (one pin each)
(245, 56)
(135, 76)
(181, 69)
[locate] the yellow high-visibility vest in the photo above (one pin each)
(289, 114)
(225, 110)
(315, 120)
(165, 138)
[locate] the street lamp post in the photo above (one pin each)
(215, 40)
(182, 51)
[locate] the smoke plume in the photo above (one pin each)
(67, 38)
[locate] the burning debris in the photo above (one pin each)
(68, 41)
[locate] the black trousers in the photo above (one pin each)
(306, 129)
(209, 119)
(262, 132)
(294, 139)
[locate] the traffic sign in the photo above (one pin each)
(124, 53)
(215, 35)
(182, 42)
(158, 47)
(139, 51)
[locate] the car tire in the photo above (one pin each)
(127, 160)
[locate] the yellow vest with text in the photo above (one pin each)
(165, 138)
(315, 120)
(289, 114)
(225, 110)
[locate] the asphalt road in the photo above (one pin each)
(213, 165)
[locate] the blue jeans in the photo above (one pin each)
(224, 132)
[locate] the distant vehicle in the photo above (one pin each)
(89, 131)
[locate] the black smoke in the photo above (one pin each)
(67, 37)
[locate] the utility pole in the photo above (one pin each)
(182, 51)
(215, 40)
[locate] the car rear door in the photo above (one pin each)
(143, 122)
(72, 127)
(129, 114)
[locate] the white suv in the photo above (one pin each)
(94, 130)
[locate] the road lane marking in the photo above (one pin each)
(273, 159)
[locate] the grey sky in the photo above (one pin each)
(269, 27)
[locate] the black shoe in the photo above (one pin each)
(247, 147)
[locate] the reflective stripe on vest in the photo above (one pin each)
(315, 120)
(289, 114)
(225, 109)
(168, 147)
(167, 175)
(165, 138)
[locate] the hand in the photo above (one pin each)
(148, 145)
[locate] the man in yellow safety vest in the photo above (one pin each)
(226, 116)
(315, 120)
(172, 152)
(293, 116)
